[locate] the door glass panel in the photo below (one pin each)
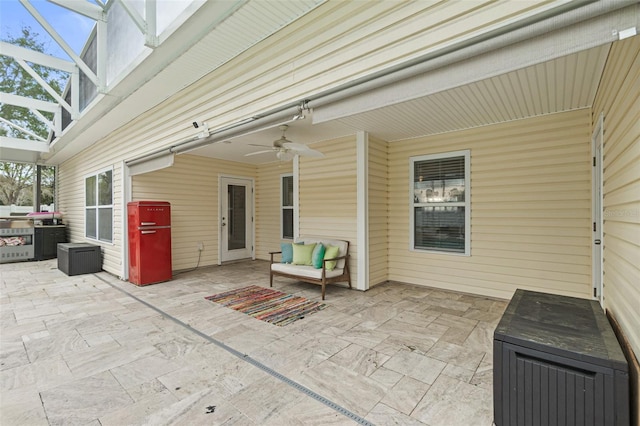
(236, 223)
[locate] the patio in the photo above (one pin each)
(94, 350)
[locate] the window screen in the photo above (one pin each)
(440, 202)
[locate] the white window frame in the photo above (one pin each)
(98, 206)
(466, 203)
(283, 207)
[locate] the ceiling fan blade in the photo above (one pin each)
(264, 146)
(295, 146)
(303, 150)
(258, 152)
(310, 153)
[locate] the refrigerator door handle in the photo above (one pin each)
(147, 232)
(147, 223)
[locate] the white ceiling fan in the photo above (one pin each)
(285, 149)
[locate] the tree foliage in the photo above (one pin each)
(16, 80)
(16, 180)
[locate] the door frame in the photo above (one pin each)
(597, 210)
(223, 182)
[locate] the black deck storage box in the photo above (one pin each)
(79, 258)
(556, 361)
(46, 240)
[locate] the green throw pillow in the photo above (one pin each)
(317, 256)
(302, 254)
(287, 252)
(330, 253)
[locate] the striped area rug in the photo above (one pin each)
(267, 305)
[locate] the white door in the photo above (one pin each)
(236, 218)
(598, 285)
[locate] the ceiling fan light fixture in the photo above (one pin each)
(285, 155)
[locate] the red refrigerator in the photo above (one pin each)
(149, 241)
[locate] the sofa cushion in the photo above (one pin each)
(305, 271)
(302, 253)
(328, 241)
(331, 253)
(287, 252)
(318, 256)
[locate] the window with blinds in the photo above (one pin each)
(440, 208)
(286, 204)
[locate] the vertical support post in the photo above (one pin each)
(37, 197)
(151, 36)
(101, 55)
(296, 198)
(126, 197)
(362, 208)
(75, 96)
(57, 119)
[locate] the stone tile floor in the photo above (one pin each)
(95, 350)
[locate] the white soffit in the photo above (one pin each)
(481, 62)
(563, 84)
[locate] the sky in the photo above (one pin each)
(72, 27)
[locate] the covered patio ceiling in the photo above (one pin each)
(535, 69)
(564, 84)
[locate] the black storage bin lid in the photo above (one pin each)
(70, 246)
(566, 326)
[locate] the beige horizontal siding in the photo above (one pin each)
(351, 39)
(530, 209)
(191, 186)
(268, 209)
(328, 201)
(619, 99)
(333, 44)
(71, 203)
(378, 211)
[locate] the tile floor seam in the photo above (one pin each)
(245, 357)
(44, 409)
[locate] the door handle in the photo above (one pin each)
(148, 232)
(147, 223)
